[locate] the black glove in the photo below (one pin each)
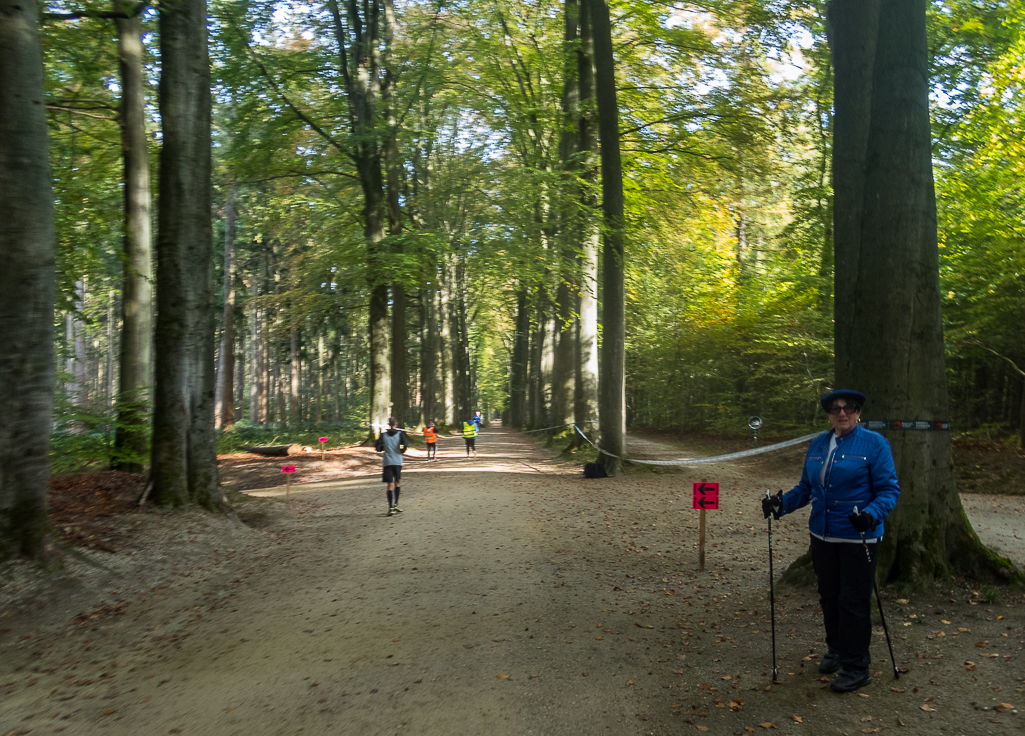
(773, 505)
(862, 521)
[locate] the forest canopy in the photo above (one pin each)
(452, 286)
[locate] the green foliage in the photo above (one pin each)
(306, 433)
(84, 438)
(729, 202)
(978, 119)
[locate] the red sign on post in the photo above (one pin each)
(288, 469)
(706, 496)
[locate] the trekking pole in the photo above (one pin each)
(772, 598)
(879, 602)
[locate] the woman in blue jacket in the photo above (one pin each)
(845, 468)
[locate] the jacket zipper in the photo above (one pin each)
(825, 485)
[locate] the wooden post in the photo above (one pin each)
(288, 470)
(701, 544)
(323, 445)
(288, 490)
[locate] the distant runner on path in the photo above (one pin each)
(392, 443)
(431, 437)
(470, 433)
(478, 420)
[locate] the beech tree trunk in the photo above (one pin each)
(445, 339)
(293, 371)
(224, 408)
(362, 55)
(518, 369)
(565, 333)
(254, 357)
(428, 355)
(889, 337)
(399, 369)
(535, 375)
(612, 377)
(184, 458)
(27, 286)
(136, 355)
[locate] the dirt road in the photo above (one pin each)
(510, 597)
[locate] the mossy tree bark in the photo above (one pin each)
(27, 286)
(184, 454)
(612, 371)
(888, 334)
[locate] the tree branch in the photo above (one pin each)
(299, 174)
(102, 14)
(284, 98)
(82, 112)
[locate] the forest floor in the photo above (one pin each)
(511, 596)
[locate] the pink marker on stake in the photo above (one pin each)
(323, 440)
(288, 470)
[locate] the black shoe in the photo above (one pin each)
(830, 663)
(850, 680)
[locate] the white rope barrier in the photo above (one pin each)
(704, 460)
(557, 426)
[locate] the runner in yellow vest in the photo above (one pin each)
(470, 435)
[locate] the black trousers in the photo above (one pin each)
(845, 592)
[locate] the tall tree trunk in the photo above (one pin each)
(428, 354)
(320, 378)
(564, 373)
(27, 286)
(518, 369)
(293, 362)
(81, 370)
(184, 460)
(612, 380)
(362, 55)
(136, 355)
(461, 344)
(240, 375)
(280, 391)
(224, 409)
(70, 387)
(889, 338)
(445, 340)
(263, 353)
(535, 376)
(254, 359)
(399, 376)
(399, 368)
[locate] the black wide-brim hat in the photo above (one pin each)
(851, 395)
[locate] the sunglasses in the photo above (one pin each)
(848, 409)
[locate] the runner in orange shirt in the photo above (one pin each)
(431, 436)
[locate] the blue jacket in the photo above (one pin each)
(860, 474)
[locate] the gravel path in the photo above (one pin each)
(510, 597)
